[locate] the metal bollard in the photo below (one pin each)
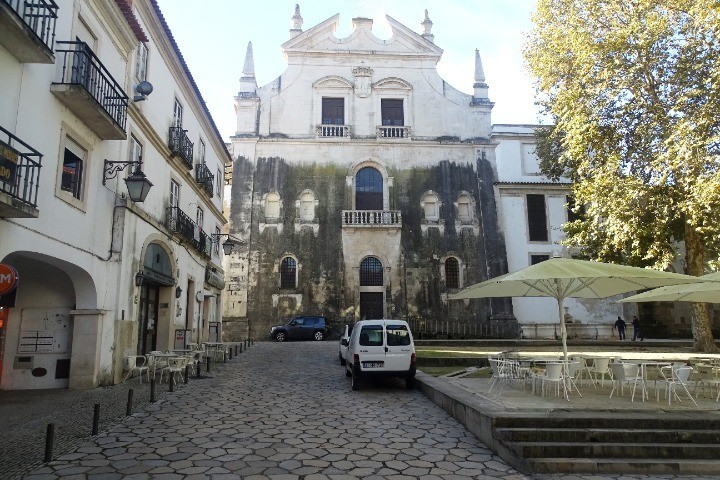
(96, 419)
(241, 347)
(172, 382)
(207, 361)
(187, 374)
(252, 341)
(224, 355)
(230, 352)
(197, 368)
(153, 397)
(236, 348)
(128, 410)
(49, 437)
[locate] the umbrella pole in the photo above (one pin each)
(563, 337)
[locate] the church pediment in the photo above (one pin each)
(333, 81)
(321, 39)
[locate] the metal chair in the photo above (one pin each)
(600, 366)
(625, 373)
(137, 364)
(679, 378)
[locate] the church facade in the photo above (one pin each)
(365, 186)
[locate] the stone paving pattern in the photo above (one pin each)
(286, 411)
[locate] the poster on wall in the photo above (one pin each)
(182, 338)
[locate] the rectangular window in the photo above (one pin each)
(392, 111)
(216, 245)
(72, 170)
(333, 111)
(571, 215)
(177, 114)
(136, 150)
(537, 219)
(174, 193)
(397, 335)
(141, 58)
(200, 217)
(218, 182)
(534, 259)
(371, 336)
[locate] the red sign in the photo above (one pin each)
(9, 278)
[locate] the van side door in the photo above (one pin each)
(399, 347)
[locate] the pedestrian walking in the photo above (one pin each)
(637, 333)
(620, 325)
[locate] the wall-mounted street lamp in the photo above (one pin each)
(143, 89)
(137, 184)
(229, 244)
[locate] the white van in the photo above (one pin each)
(380, 348)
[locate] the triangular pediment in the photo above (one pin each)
(321, 39)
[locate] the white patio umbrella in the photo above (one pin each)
(562, 278)
(707, 291)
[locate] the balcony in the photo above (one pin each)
(330, 131)
(371, 218)
(90, 92)
(181, 146)
(205, 178)
(19, 177)
(180, 223)
(28, 29)
(393, 132)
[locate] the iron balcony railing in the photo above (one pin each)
(39, 15)
(179, 222)
(19, 169)
(204, 177)
(372, 218)
(80, 66)
(181, 145)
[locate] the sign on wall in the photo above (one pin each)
(9, 278)
(8, 163)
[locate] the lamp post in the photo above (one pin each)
(138, 184)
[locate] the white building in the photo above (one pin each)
(366, 186)
(101, 276)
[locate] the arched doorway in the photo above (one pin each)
(156, 274)
(368, 189)
(372, 296)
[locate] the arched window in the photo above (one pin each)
(288, 273)
(452, 273)
(272, 206)
(431, 207)
(307, 206)
(465, 208)
(371, 272)
(368, 189)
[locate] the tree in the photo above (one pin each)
(634, 89)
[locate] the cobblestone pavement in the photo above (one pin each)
(286, 411)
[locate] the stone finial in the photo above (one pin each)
(249, 66)
(479, 72)
(296, 22)
(427, 28)
(480, 88)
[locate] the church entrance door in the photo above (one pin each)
(371, 305)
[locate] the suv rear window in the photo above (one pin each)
(371, 336)
(397, 335)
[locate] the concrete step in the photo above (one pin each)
(608, 435)
(661, 466)
(595, 450)
(611, 420)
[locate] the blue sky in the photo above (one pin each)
(213, 37)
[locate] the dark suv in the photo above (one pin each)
(305, 327)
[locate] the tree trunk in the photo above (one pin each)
(703, 340)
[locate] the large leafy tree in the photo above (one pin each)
(634, 89)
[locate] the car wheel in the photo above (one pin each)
(342, 360)
(409, 383)
(355, 380)
(318, 336)
(280, 336)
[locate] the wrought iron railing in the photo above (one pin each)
(181, 145)
(80, 66)
(372, 218)
(39, 15)
(204, 177)
(179, 222)
(19, 169)
(332, 130)
(453, 329)
(386, 131)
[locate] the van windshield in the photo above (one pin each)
(397, 335)
(371, 336)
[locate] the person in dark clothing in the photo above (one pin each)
(637, 333)
(620, 325)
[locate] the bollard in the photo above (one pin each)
(252, 341)
(96, 419)
(187, 374)
(236, 348)
(197, 368)
(224, 355)
(153, 397)
(172, 382)
(49, 437)
(241, 347)
(246, 343)
(128, 410)
(207, 367)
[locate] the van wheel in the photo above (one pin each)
(409, 383)
(355, 381)
(342, 360)
(318, 336)
(280, 337)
